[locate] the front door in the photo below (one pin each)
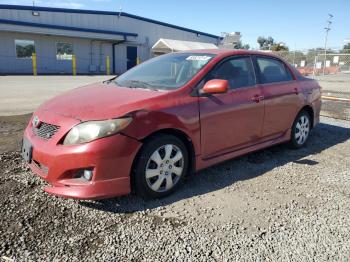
(232, 120)
(131, 56)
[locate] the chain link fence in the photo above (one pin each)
(331, 69)
(317, 62)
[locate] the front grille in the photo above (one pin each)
(45, 130)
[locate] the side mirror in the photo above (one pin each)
(215, 86)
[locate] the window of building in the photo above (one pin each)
(238, 72)
(273, 70)
(64, 51)
(24, 48)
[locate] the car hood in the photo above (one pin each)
(100, 101)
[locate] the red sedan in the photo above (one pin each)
(170, 116)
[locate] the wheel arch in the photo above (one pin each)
(310, 111)
(173, 132)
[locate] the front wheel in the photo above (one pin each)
(300, 130)
(160, 167)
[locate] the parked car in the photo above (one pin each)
(168, 117)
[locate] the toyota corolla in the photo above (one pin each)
(166, 118)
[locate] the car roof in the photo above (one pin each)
(229, 52)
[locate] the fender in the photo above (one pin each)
(184, 118)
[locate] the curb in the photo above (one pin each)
(334, 98)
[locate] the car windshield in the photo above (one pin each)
(166, 72)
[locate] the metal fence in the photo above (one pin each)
(317, 62)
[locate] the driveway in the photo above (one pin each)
(23, 94)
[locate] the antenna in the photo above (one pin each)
(33, 3)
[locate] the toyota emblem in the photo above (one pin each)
(35, 121)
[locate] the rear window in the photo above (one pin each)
(272, 71)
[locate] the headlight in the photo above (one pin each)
(88, 131)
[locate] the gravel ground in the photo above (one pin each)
(336, 109)
(276, 204)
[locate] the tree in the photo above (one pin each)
(261, 41)
(279, 47)
(346, 48)
(265, 43)
(320, 50)
(268, 43)
(240, 45)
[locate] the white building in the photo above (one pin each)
(56, 34)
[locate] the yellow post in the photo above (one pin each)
(108, 66)
(74, 65)
(138, 61)
(35, 69)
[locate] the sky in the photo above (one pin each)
(298, 23)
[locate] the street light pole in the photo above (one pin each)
(327, 28)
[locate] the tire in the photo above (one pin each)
(160, 167)
(300, 130)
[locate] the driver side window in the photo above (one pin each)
(238, 72)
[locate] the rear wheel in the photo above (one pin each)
(161, 166)
(300, 130)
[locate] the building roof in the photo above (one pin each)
(81, 11)
(98, 33)
(170, 45)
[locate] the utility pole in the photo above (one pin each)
(327, 28)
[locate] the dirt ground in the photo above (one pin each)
(273, 205)
(277, 204)
(11, 131)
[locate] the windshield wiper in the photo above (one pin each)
(141, 84)
(108, 81)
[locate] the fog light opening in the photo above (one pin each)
(87, 174)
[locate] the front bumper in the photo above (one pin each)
(110, 158)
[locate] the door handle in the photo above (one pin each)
(257, 98)
(296, 91)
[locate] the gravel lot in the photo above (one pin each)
(276, 204)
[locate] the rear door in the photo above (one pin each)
(281, 95)
(232, 120)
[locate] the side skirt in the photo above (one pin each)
(204, 163)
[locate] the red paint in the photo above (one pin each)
(220, 126)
